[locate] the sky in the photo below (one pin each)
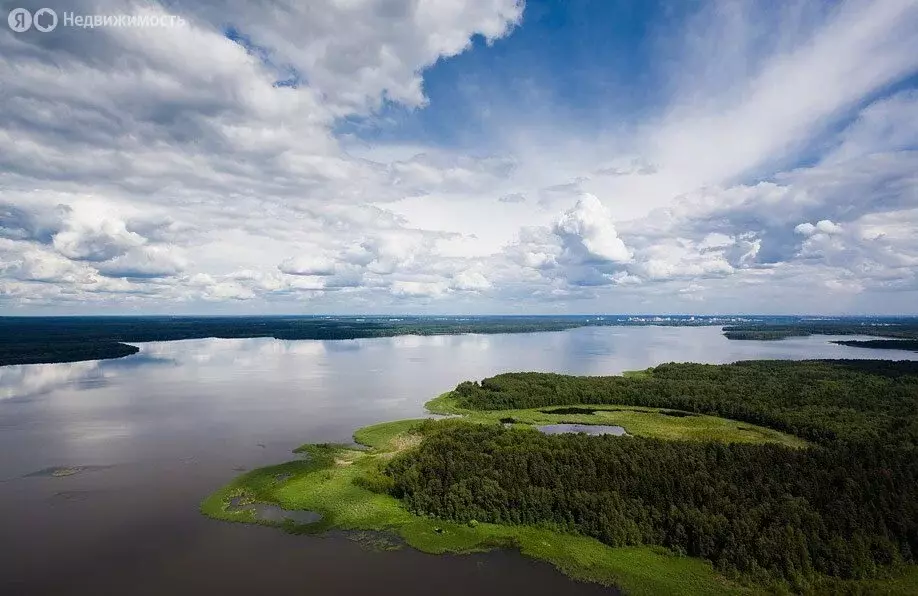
(460, 156)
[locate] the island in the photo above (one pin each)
(758, 476)
(776, 328)
(910, 345)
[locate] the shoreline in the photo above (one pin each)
(345, 485)
(335, 481)
(50, 340)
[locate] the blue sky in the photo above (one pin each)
(450, 156)
(589, 63)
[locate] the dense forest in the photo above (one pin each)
(16, 352)
(910, 345)
(32, 340)
(801, 518)
(899, 327)
(819, 400)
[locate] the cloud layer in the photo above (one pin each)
(203, 168)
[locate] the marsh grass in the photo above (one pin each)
(637, 421)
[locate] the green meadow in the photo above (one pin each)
(636, 420)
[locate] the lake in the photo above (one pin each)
(103, 464)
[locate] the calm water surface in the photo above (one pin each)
(143, 439)
(589, 429)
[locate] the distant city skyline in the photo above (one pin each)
(470, 157)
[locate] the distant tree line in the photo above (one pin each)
(881, 344)
(901, 328)
(32, 340)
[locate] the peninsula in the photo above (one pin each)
(740, 478)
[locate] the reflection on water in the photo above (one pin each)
(162, 428)
(589, 429)
(273, 513)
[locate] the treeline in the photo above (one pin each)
(29, 340)
(763, 512)
(881, 344)
(799, 518)
(13, 352)
(901, 328)
(823, 401)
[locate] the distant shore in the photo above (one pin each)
(44, 340)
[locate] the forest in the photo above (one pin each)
(819, 400)
(799, 519)
(34, 340)
(910, 345)
(892, 327)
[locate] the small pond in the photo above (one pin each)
(590, 429)
(274, 513)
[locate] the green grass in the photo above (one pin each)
(904, 584)
(386, 436)
(636, 420)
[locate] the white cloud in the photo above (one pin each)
(144, 262)
(588, 234)
(99, 240)
(316, 265)
(823, 226)
(417, 289)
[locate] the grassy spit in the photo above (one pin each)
(336, 481)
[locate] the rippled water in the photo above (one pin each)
(138, 442)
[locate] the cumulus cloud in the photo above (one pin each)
(823, 226)
(144, 262)
(471, 280)
(95, 241)
(588, 234)
(308, 265)
(418, 289)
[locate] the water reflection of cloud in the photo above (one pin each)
(423, 341)
(406, 341)
(342, 345)
(477, 342)
(238, 350)
(100, 432)
(139, 360)
(29, 380)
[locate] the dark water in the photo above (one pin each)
(590, 429)
(103, 464)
